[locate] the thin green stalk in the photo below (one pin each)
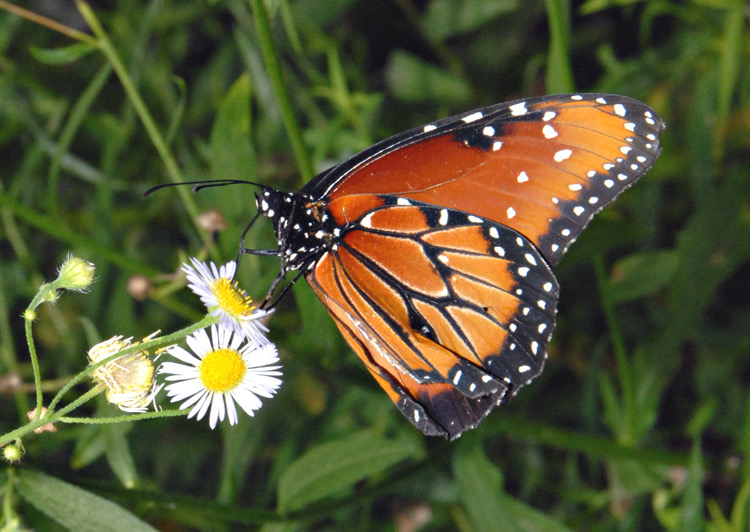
(618, 345)
(29, 320)
(49, 23)
(559, 75)
(121, 419)
(729, 67)
(107, 48)
(35, 368)
(270, 56)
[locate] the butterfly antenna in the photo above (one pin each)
(199, 185)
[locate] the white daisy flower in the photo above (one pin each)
(128, 380)
(224, 299)
(219, 372)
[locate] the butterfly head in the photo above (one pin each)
(298, 222)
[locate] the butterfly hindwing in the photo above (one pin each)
(450, 312)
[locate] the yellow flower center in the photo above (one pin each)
(222, 370)
(232, 298)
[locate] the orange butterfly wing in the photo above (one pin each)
(450, 313)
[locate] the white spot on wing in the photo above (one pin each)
(402, 201)
(575, 186)
(549, 115)
(488, 131)
(518, 109)
(367, 221)
(523, 271)
(475, 219)
(500, 251)
(494, 233)
(429, 127)
(511, 212)
(443, 217)
(561, 155)
(619, 109)
(497, 145)
(549, 132)
(472, 117)
(523, 177)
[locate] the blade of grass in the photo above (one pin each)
(559, 75)
(293, 129)
(167, 157)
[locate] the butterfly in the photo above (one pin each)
(432, 250)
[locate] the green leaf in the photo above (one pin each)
(232, 151)
(412, 80)
(446, 18)
(76, 508)
(489, 508)
(118, 454)
(691, 512)
(61, 56)
(333, 467)
(642, 274)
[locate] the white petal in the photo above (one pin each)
(246, 399)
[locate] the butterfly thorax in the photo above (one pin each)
(299, 222)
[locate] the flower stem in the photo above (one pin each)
(271, 58)
(120, 419)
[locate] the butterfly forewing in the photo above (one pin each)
(542, 166)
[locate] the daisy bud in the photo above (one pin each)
(76, 274)
(12, 453)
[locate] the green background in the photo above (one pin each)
(641, 420)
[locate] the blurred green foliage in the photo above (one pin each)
(641, 420)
